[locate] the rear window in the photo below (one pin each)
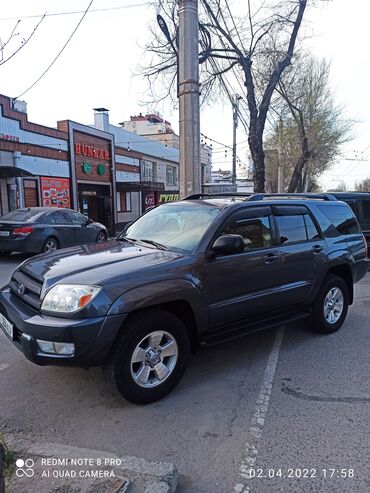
(341, 218)
(23, 215)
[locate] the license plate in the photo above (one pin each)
(6, 326)
(4, 233)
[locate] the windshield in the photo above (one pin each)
(178, 227)
(23, 215)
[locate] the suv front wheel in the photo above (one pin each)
(330, 308)
(149, 357)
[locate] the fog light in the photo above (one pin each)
(65, 348)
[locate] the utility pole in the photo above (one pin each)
(188, 91)
(235, 104)
(281, 184)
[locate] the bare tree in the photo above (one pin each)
(236, 40)
(314, 125)
(363, 186)
(13, 43)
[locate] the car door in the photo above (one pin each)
(246, 284)
(63, 228)
(83, 231)
(302, 250)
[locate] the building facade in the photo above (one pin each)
(34, 161)
(152, 126)
(101, 170)
(158, 164)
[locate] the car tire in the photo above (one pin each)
(136, 369)
(329, 310)
(101, 237)
(50, 245)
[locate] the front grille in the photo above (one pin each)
(17, 335)
(26, 287)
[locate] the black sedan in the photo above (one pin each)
(43, 229)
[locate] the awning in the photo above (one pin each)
(11, 172)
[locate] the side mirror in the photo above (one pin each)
(228, 245)
(88, 221)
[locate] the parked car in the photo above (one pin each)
(43, 229)
(186, 274)
(360, 204)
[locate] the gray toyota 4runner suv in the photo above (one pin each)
(185, 274)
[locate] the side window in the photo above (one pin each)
(291, 229)
(59, 217)
(312, 232)
(366, 210)
(50, 218)
(341, 217)
(256, 232)
(77, 218)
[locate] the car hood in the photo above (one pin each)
(98, 263)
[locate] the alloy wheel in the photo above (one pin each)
(154, 359)
(50, 246)
(333, 305)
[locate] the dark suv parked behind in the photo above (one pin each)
(185, 274)
(360, 204)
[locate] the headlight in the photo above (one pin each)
(69, 298)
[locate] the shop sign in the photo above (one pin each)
(12, 138)
(90, 151)
(101, 169)
(86, 167)
(55, 192)
(168, 197)
(149, 200)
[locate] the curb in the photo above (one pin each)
(150, 477)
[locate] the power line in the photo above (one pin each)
(60, 52)
(71, 12)
(226, 147)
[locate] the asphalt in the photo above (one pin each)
(288, 401)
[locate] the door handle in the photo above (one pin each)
(317, 249)
(271, 257)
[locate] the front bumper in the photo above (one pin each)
(93, 337)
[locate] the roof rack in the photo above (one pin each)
(261, 196)
(197, 196)
(319, 196)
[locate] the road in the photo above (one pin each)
(288, 401)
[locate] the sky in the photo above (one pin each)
(97, 69)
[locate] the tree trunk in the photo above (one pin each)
(297, 173)
(258, 158)
(299, 188)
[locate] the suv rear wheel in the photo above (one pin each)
(330, 308)
(149, 357)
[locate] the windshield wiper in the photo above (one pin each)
(155, 243)
(126, 238)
